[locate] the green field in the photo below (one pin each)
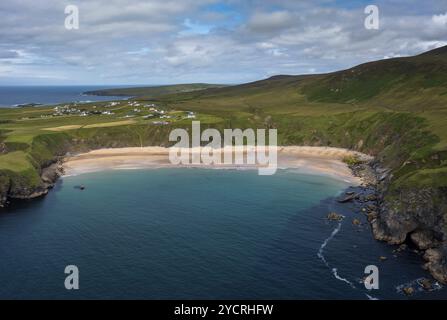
(394, 109)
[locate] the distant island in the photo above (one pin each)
(153, 92)
(393, 109)
(27, 105)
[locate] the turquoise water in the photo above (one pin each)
(194, 234)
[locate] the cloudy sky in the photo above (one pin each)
(216, 41)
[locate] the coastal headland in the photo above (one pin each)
(392, 110)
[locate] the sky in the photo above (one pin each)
(152, 42)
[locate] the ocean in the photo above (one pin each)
(197, 234)
(11, 96)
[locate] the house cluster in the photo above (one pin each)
(134, 104)
(160, 123)
(85, 113)
(190, 115)
(72, 110)
(161, 115)
(156, 112)
(153, 108)
(65, 110)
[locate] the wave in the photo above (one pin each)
(325, 243)
(321, 255)
(370, 297)
(335, 270)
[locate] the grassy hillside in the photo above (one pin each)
(395, 109)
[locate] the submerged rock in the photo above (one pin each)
(401, 248)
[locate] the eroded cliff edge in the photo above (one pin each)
(411, 172)
(417, 216)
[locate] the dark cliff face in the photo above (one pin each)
(420, 217)
(15, 187)
(4, 189)
(399, 142)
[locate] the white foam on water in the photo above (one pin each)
(417, 286)
(334, 272)
(321, 255)
(371, 297)
(325, 243)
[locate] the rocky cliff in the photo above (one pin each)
(418, 216)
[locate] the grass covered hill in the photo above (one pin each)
(369, 107)
(394, 109)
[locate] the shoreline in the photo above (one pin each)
(368, 177)
(325, 161)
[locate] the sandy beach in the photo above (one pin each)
(311, 160)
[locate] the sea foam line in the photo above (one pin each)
(334, 270)
(321, 256)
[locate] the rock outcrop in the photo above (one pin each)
(417, 216)
(49, 176)
(4, 189)
(420, 217)
(437, 263)
(333, 216)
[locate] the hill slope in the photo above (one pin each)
(394, 109)
(405, 84)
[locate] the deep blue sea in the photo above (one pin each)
(196, 234)
(11, 96)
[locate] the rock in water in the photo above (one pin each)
(427, 284)
(347, 199)
(334, 216)
(408, 291)
(402, 247)
(356, 222)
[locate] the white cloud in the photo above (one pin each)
(167, 41)
(440, 19)
(270, 22)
